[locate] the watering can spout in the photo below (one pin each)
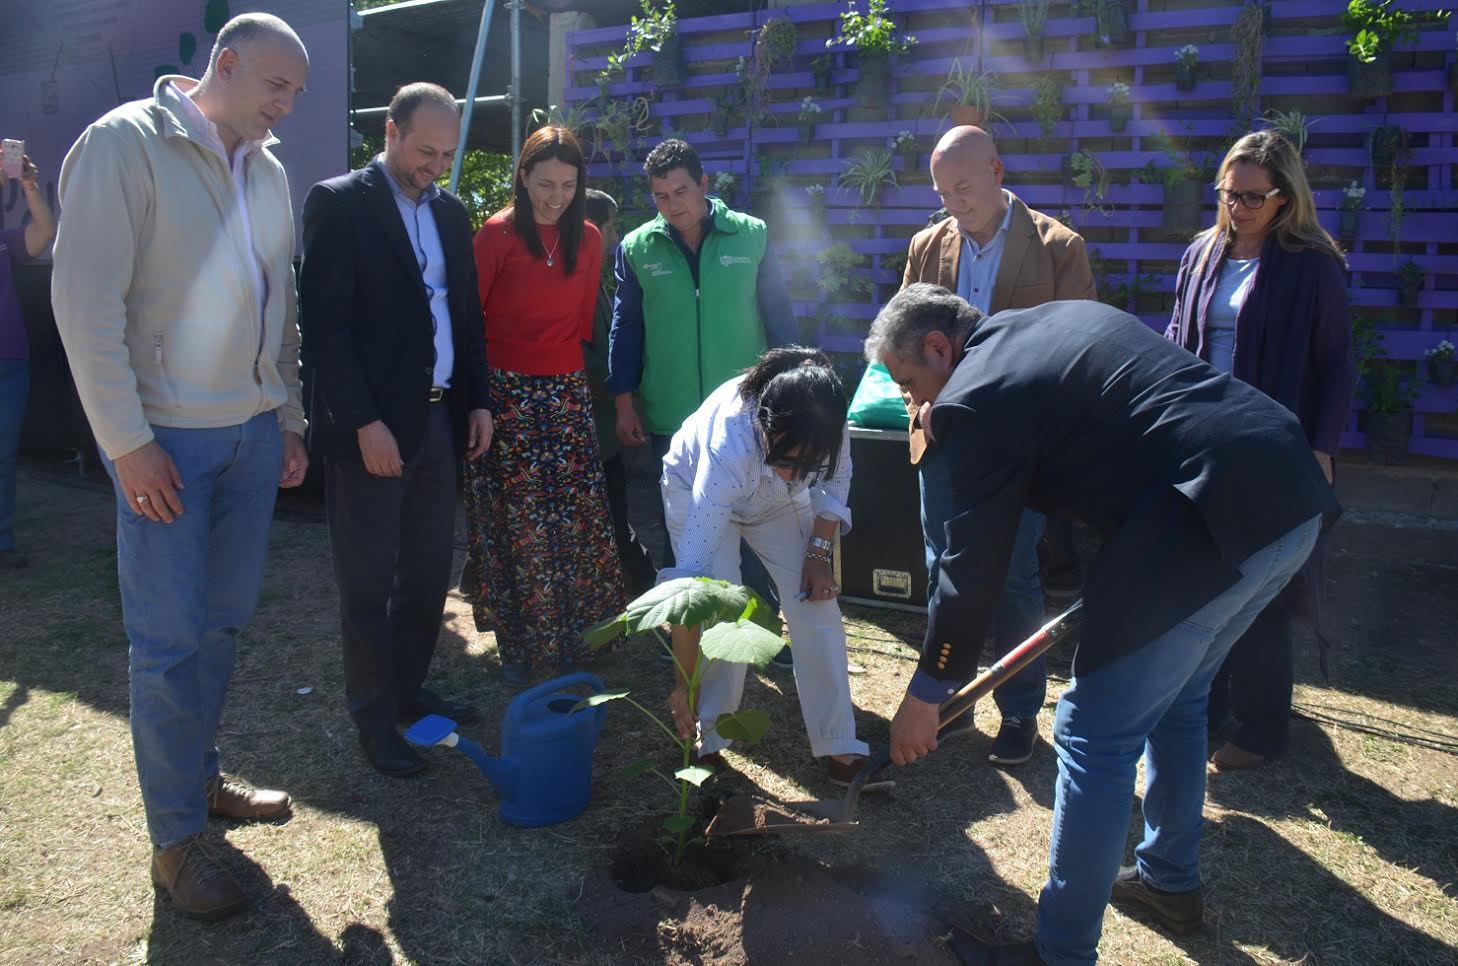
(500, 772)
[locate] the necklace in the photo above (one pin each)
(551, 255)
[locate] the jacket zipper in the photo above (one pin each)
(699, 341)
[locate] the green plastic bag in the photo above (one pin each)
(877, 402)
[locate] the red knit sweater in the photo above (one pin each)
(536, 317)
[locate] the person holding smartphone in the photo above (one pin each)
(17, 245)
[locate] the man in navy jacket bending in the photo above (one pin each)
(1208, 500)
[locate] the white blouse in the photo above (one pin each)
(718, 456)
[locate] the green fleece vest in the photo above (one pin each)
(694, 341)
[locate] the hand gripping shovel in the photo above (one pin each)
(746, 815)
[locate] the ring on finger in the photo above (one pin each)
(143, 499)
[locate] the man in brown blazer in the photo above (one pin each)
(997, 253)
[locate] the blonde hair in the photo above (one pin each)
(1295, 225)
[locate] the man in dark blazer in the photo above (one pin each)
(391, 319)
(1207, 498)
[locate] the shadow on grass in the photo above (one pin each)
(1270, 896)
(1311, 783)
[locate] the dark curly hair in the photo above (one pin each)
(671, 154)
(800, 405)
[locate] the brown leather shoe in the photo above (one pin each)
(198, 887)
(230, 798)
(1232, 757)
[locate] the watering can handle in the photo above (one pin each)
(521, 701)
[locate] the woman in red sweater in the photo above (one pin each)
(542, 564)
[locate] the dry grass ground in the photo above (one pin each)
(1343, 853)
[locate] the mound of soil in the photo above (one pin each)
(778, 910)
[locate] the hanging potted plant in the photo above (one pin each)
(722, 116)
(815, 195)
(1111, 22)
(1082, 171)
(1034, 14)
(1347, 217)
(655, 32)
(1387, 144)
(1186, 59)
(867, 172)
(1182, 199)
(1048, 103)
(1441, 364)
(822, 68)
(874, 37)
(726, 187)
(907, 148)
(1294, 126)
(1120, 110)
(969, 94)
(809, 114)
(1409, 284)
(1390, 393)
(1375, 28)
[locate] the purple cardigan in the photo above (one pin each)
(1293, 335)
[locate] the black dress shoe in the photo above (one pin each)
(390, 754)
(428, 702)
(971, 951)
(1180, 913)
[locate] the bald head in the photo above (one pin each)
(967, 173)
(967, 142)
(246, 30)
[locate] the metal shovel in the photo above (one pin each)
(747, 815)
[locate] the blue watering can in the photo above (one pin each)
(544, 774)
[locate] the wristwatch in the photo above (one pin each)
(820, 543)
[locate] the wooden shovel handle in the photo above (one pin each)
(1058, 629)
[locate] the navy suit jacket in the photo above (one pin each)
(1079, 410)
(365, 317)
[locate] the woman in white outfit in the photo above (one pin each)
(766, 458)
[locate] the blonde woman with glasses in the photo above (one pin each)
(1262, 295)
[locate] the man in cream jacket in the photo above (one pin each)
(174, 294)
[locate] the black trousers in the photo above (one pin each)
(638, 571)
(391, 543)
(1254, 684)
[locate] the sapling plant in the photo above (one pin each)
(738, 627)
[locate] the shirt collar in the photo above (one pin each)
(196, 119)
(426, 197)
(1002, 229)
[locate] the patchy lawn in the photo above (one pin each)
(1343, 853)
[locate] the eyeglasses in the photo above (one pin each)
(1250, 199)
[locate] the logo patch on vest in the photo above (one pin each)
(727, 260)
(656, 270)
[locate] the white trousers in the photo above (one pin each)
(817, 631)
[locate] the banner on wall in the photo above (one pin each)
(65, 63)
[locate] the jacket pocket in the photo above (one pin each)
(164, 381)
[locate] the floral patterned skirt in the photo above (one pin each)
(541, 562)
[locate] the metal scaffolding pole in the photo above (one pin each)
(476, 59)
(515, 89)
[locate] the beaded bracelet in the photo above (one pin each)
(822, 557)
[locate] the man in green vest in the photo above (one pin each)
(698, 301)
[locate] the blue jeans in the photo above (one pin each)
(1151, 701)
(1019, 612)
(14, 387)
(187, 589)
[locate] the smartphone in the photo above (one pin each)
(11, 152)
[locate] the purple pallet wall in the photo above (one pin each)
(1303, 67)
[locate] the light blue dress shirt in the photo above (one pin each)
(430, 256)
(1230, 294)
(977, 268)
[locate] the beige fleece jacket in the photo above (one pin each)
(151, 286)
